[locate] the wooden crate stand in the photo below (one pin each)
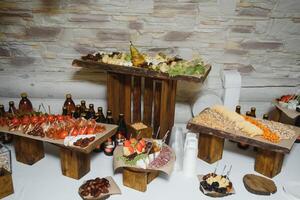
(6, 184)
(138, 179)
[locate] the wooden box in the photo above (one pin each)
(138, 134)
(6, 183)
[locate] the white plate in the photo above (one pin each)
(292, 189)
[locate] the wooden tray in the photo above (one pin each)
(100, 138)
(259, 185)
(284, 146)
(137, 71)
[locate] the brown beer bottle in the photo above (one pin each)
(101, 117)
(242, 145)
(122, 130)
(109, 145)
(82, 106)
(252, 112)
(69, 104)
(238, 109)
(2, 114)
(92, 111)
(2, 110)
(25, 106)
(65, 111)
(12, 109)
(77, 111)
(266, 117)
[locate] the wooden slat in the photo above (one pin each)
(121, 79)
(113, 94)
(148, 101)
(171, 102)
(157, 97)
(137, 99)
(138, 71)
(127, 98)
(164, 108)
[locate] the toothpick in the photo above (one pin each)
(49, 109)
(39, 108)
(229, 171)
(157, 132)
(223, 169)
(165, 136)
(44, 108)
(216, 167)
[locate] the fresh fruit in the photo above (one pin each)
(137, 59)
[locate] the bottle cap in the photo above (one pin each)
(1, 106)
(121, 115)
(11, 103)
(238, 106)
(77, 106)
(253, 108)
(91, 105)
(82, 101)
(23, 95)
(68, 96)
(100, 108)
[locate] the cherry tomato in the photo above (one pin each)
(34, 119)
(82, 131)
(60, 118)
(15, 121)
(142, 142)
(127, 143)
(74, 132)
(42, 118)
(90, 130)
(67, 117)
(25, 120)
(63, 134)
(139, 147)
(51, 118)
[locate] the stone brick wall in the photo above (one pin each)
(260, 38)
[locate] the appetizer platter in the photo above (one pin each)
(222, 122)
(80, 134)
(98, 188)
(158, 66)
(145, 155)
(215, 185)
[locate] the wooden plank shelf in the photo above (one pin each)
(100, 138)
(137, 71)
(75, 161)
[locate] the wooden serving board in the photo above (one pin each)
(284, 146)
(100, 138)
(259, 185)
(138, 71)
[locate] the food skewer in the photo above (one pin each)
(49, 109)
(223, 169)
(157, 132)
(165, 136)
(216, 167)
(44, 108)
(227, 175)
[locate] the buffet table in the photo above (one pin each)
(44, 181)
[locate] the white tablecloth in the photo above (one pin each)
(44, 180)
